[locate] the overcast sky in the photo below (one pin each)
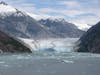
(78, 11)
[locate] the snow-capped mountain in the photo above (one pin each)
(21, 24)
(18, 23)
(61, 27)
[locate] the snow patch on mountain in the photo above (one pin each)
(83, 27)
(32, 15)
(6, 9)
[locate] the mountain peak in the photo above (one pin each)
(6, 9)
(2, 2)
(55, 19)
(60, 20)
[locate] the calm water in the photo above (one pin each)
(50, 63)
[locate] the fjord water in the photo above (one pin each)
(50, 63)
(43, 63)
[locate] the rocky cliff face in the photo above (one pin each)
(90, 41)
(61, 28)
(10, 45)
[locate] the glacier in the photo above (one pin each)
(52, 44)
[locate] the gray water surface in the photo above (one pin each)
(44, 63)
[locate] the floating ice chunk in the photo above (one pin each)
(1, 62)
(6, 65)
(67, 61)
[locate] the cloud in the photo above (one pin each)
(69, 4)
(22, 5)
(27, 9)
(65, 12)
(47, 10)
(91, 20)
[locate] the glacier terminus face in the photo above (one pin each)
(55, 45)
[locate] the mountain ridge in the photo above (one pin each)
(61, 27)
(20, 24)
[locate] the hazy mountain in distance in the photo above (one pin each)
(61, 28)
(90, 41)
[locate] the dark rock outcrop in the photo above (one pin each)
(9, 44)
(90, 41)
